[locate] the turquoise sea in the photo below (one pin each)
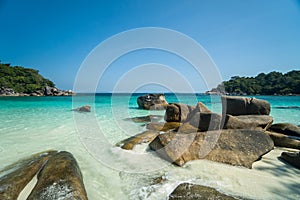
(32, 124)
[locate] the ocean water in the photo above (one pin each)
(32, 124)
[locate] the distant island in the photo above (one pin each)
(273, 83)
(20, 81)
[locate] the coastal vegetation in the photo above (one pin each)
(273, 83)
(22, 80)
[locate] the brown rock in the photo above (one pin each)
(200, 107)
(60, 178)
(85, 108)
(206, 121)
(292, 158)
(144, 137)
(247, 121)
(177, 112)
(286, 128)
(236, 147)
(188, 191)
(244, 106)
(152, 102)
(282, 140)
(16, 176)
(161, 126)
(187, 128)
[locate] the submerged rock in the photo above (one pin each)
(244, 106)
(286, 128)
(282, 140)
(188, 191)
(85, 108)
(152, 102)
(144, 137)
(60, 178)
(144, 119)
(15, 177)
(236, 147)
(292, 158)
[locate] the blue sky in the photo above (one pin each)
(243, 37)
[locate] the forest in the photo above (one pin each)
(22, 80)
(273, 83)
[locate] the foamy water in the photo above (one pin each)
(33, 124)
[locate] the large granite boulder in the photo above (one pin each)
(206, 121)
(188, 191)
(286, 128)
(244, 106)
(282, 140)
(177, 112)
(247, 121)
(140, 138)
(292, 158)
(152, 102)
(60, 178)
(15, 177)
(233, 146)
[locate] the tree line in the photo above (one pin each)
(273, 83)
(22, 80)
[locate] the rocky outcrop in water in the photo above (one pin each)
(188, 191)
(58, 175)
(152, 102)
(239, 138)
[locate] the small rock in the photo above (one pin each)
(292, 158)
(188, 191)
(85, 108)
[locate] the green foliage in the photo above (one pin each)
(264, 84)
(22, 79)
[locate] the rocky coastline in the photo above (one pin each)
(46, 91)
(239, 136)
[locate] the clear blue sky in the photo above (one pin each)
(243, 37)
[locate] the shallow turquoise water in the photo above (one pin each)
(32, 124)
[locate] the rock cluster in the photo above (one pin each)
(46, 91)
(152, 102)
(58, 177)
(240, 136)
